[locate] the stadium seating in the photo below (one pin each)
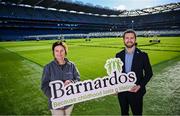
(17, 22)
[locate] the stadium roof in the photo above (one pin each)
(152, 10)
(79, 7)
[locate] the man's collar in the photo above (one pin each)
(133, 50)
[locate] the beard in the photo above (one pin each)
(129, 45)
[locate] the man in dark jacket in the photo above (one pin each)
(137, 61)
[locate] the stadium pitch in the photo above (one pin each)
(22, 63)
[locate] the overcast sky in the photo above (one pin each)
(128, 4)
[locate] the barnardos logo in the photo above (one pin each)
(115, 82)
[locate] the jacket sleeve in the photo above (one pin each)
(45, 82)
(147, 71)
(117, 56)
(76, 75)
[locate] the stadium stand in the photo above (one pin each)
(23, 20)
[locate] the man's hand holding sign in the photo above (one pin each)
(68, 93)
(135, 88)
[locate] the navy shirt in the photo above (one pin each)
(128, 61)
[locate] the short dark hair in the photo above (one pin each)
(61, 44)
(129, 31)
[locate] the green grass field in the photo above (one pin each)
(21, 65)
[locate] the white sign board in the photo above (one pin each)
(90, 89)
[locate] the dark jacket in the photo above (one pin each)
(53, 71)
(140, 65)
